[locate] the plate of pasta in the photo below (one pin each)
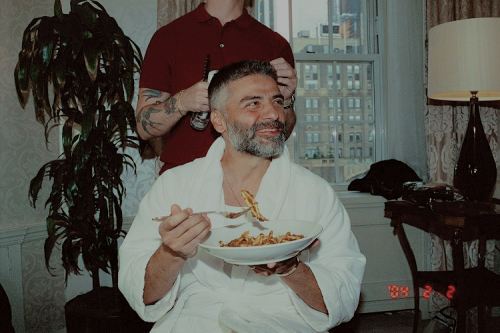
(260, 242)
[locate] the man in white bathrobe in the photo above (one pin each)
(167, 279)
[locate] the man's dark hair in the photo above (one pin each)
(233, 72)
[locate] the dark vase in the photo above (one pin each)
(475, 171)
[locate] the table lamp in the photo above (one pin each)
(464, 65)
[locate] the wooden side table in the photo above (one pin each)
(455, 222)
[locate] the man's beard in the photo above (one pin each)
(246, 141)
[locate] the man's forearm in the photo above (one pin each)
(161, 273)
(157, 119)
(304, 284)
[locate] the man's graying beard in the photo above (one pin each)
(244, 140)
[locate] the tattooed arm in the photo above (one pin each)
(156, 113)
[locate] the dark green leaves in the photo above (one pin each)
(80, 68)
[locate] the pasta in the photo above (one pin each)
(245, 240)
(254, 206)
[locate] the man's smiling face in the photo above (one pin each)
(255, 116)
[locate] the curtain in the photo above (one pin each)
(445, 125)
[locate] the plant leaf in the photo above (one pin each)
(21, 79)
(91, 54)
(58, 10)
(45, 40)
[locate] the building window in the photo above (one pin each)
(356, 77)
(312, 137)
(339, 81)
(312, 118)
(312, 103)
(330, 76)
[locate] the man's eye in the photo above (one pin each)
(279, 101)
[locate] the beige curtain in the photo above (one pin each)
(445, 128)
(169, 10)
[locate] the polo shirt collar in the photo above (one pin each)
(202, 15)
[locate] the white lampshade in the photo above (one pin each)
(464, 56)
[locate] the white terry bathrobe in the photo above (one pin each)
(211, 296)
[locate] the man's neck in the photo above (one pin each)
(244, 171)
(225, 10)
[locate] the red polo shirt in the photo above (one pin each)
(175, 58)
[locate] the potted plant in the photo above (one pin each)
(79, 67)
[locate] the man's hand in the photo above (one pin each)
(181, 233)
(279, 267)
(195, 98)
(287, 77)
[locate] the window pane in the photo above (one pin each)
(342, 30)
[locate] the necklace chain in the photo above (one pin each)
(231, 188)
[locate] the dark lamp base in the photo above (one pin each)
(475, 170)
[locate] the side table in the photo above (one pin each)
(455, 222)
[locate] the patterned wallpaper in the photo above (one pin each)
(23, 151)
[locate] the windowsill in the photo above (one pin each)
(358, 198)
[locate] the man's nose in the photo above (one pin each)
(272, 111)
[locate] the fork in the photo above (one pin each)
(228, 215)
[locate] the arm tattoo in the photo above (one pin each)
(144, 115)
(144, 118)
(169, 105)
(151, 93)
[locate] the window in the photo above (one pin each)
(357, 103)
(337, 63)
(312, 103)
(350, 103)
(312, 137)
(339, 81)
(356, 77)
(330, 76)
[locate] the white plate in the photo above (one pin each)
(257, 255)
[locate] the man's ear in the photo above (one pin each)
(218, 121)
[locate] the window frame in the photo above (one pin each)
(374, 14)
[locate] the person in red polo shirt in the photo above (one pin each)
(171, 85)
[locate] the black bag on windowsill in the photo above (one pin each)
(385, 178)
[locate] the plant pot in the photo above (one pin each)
(103, 310)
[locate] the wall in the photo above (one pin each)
(38, 296)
